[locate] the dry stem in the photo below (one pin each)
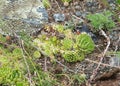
(28, 69)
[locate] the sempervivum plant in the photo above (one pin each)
(71, 56)
(84, 43)
(72, 47)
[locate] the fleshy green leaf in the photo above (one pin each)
(37, 54)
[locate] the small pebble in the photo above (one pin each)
(115, 61)
(66, 4)
(113, 6)
(63, 8)
(89, 4)
(84, 15)
(76, 3)
(93, 9)
(113, 35)
(78, 13)
(59, 17)
(95, 4)
(77, 7)
(111, 1)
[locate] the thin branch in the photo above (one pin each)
(91, 61)
(64, 66)
(58, 5)
(45, 63)
(32, 64)
(78, 18)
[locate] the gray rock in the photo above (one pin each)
(63, 8)
(78, 13)
(113, 6)
(44, 14)
(89, 4)
(92, 9)
(84, 14)
(85, 29)
(59, 17)
(32, 22)
(111, 1)
(115, 61)
(114, 35)
(69, 25)
(30, 12)
(77, 7)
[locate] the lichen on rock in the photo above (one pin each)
(29, 12)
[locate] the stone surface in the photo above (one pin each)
(77, 7)
(114, 35)
(59, 17)
(111, 1)
(78, 13)
(31, 12)
(84, 14)
(85, 29)
(89, 4)
(115, 61)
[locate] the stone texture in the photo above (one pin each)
(115, 61)
(59, 17)
(30, 12)
(78, 13)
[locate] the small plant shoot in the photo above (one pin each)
(101, 20)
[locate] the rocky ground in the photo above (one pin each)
(108, 72)
(99, 71)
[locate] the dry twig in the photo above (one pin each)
(64, 66)
(91, 61)
(58, 6)
(45, 63)
(28, 69)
